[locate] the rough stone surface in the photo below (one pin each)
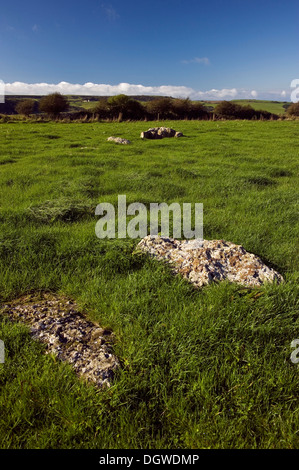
(118, 140)
(160, 133)
(206, 261)
(57, 322)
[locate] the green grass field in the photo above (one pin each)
(205, 368)
(275, 107)
(81, 103)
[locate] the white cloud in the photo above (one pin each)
(20, 88)
(197, 60)
(225, 93)
(110, 12)
(99, 89)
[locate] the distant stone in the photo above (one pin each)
(160, 133)
(204, 261)
(166, 131)
(150, 134)
(118, 140)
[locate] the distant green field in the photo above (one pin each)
(275, 107)
(82, 102)
(270, 106)
(78, 103)
(201, 369)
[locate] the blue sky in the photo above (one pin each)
(202, 49)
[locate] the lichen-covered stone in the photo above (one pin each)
(58, 322)
(118, 140)
(160, 133)
(206, 261)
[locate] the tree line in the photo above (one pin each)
(123, 107)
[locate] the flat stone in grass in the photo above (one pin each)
(57, 322)
(118, 140)
(206, 261)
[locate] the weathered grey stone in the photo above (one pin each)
(206, 261)
(159, 133)
(118, 140)
(58, 322)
